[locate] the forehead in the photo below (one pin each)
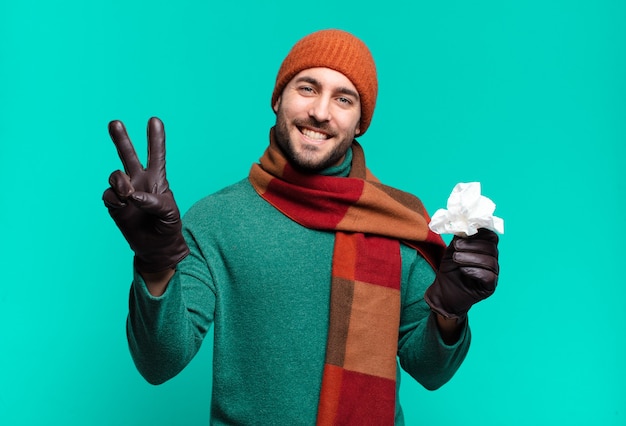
(326, 77)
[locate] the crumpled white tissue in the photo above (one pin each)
(467, 212)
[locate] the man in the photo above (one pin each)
(316, 278)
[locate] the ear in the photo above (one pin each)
(276, 104)
(357, 131)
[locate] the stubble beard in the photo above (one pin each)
(308, 160)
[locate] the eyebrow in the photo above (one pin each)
(314, 82)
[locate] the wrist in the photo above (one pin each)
(156, 282)
(450, 328)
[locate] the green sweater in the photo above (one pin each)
(263, 282)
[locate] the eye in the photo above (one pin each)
(345, 101)
(307, 90)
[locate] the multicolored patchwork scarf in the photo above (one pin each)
(369, 220)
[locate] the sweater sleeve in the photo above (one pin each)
(422, 352)
(165, 333)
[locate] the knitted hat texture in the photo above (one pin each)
(339, 51)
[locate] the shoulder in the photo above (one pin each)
(230, 197)
(234, 206)
(415, 269)
(413, 259)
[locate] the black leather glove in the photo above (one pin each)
(142, 204)
(468, 274)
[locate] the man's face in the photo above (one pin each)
(317, 117)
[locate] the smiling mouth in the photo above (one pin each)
(315, 135)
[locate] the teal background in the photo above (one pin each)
(527, 97)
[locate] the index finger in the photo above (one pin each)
(125, 149)
(156, 145)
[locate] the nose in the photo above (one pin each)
(320, 109)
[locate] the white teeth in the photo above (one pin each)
(313, 134)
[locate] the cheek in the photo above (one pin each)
(351, 123)
(348, 119)
(293, 105)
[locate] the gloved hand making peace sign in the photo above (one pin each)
(142, 204)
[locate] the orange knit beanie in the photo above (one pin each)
(339, 51)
